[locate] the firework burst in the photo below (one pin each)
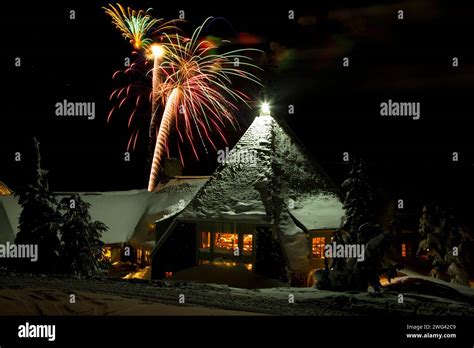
(196, 91)
(134, 25)
(137, 26)
(190, 80)
(142, 30)
(133, 97)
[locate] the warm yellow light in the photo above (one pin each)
(107, 253)
(143, 273)
(157, 50)
(265, 109)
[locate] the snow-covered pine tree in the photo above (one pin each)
(39, 219)
(80, 237)
(448, 246)
(433, 239)
(358, 200)
(359, 228)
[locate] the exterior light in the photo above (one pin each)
(265, 109)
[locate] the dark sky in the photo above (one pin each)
(336, 108)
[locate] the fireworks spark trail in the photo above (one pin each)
(196, 90)
(164, 131)
(189, 79)
(134, 25)
(142, 30)
(158, 51)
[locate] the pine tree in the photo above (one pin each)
(359, 228)
(39, 219)
(80, 237)
(447, 245)
(358, 202)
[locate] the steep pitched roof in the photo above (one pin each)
(267, 165)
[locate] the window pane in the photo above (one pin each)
(318, 245)
(205, 241)
(226, 242)
(404, 250)
(248, 244)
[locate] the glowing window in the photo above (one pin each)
(168, 274)
(317, 247)
(248, 244)
(226, 242)
(205, 243)
(107, 253)
(404, 250)
(139, 255)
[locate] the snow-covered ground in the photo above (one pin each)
(421, 296)
(54, 302)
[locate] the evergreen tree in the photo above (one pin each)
(80, 237)
(358, 201)
(348, 273)
(39, 219)
(447, 245)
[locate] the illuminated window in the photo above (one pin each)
(317, 247)
(168, 274)
(219, 243)
(226, 242)
(139, 255)
(404, 250)
(205, 243)
(107, 253)
(248, 244)
(147, 256)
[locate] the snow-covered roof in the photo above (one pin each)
(245, 191)
(233, 192)
(318, 212)
(268, 174)
(9, 214)
(128, 214)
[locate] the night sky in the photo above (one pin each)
(336, 108)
